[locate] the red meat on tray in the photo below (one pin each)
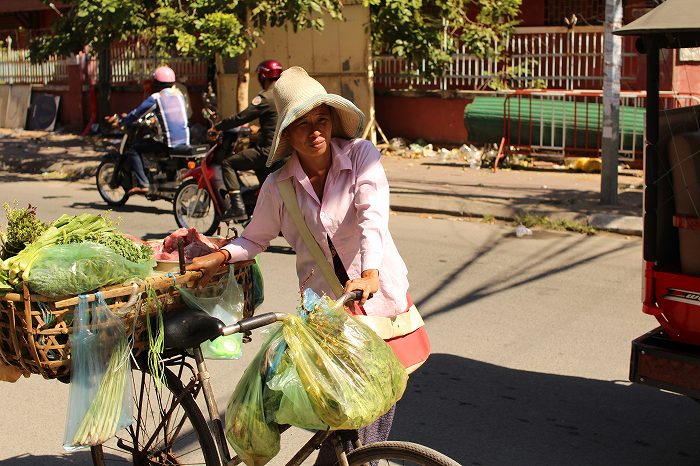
(194, 245)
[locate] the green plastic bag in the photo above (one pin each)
(77, 268)
(258, 284)
(255, 439)
(291, 404)
(351, 376)
(223, 300)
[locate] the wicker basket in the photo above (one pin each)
(34, 329)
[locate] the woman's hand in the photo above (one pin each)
(208, 265)
(112, 120)
(368, 283)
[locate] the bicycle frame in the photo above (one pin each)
(156, 436)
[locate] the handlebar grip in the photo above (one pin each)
(356, 295)
(262, 320)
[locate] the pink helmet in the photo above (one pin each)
(269, 69)
(164, 74)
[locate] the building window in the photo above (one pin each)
(587, 12)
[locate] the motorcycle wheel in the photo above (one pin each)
(112, 196)
(194, 207)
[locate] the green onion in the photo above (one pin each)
(102, 418)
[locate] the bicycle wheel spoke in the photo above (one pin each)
(168, 428)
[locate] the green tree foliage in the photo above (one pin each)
(417, 30)
(487, 35)
(423, 31)
(201, 28)
(92, 22)
(495, 20)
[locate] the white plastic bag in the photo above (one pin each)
(100, 402)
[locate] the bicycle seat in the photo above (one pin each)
(185, 150)
(188, 328)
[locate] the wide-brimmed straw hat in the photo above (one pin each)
(296, 93)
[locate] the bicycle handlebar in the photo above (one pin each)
(252, 323)
(262, 320)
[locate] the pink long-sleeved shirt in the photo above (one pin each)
(354, 213)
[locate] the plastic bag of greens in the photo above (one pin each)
(286, 401)
(71, 269)
(258, 284)
(350, 374)
(255, 438)
(223, 300)
(100, 398)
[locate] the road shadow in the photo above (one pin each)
(8, 177)
(150, 209)
(541, 265)
(69, 459)
(529, 199)
(483, 414)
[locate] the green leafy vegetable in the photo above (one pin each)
(23, 227)
(69, 229)
(72, 269)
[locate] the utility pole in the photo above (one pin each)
(611, 102)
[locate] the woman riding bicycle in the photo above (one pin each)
(343, 194)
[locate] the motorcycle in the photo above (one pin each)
(201, 199)
(114, 176)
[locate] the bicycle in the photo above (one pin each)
(170, 429)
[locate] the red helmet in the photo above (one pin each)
(269, 69)
(164, 74)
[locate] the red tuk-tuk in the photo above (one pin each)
(668, 357)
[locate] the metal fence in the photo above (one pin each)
(569, 123)
(130, 63)
(549, 57)
(16, 68)
(134, 62)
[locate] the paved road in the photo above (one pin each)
(530, 346)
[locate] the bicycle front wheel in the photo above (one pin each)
(194, 208)
(392, 453)
(168, 428)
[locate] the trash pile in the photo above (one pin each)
(473, 157)
(467, 154)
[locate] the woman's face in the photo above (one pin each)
(310, 134)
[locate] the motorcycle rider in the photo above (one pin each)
(169, 106)
(262, 108)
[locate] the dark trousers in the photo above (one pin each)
(248, 159)
(133, 157)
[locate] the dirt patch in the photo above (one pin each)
(51, 154)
